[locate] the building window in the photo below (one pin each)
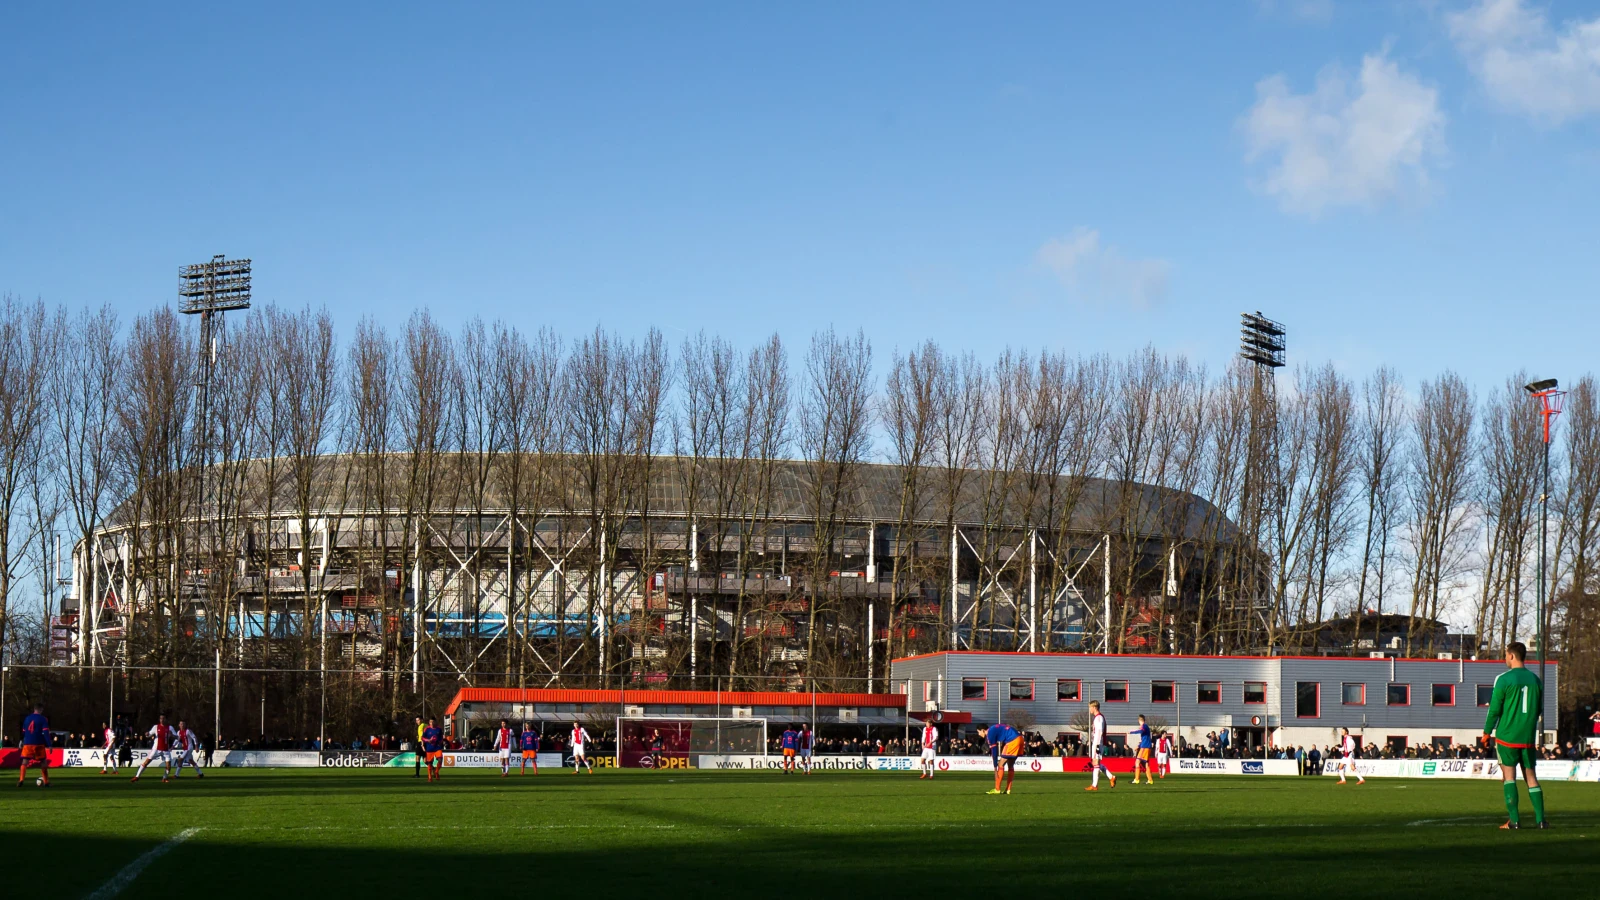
(1069, 690)
(1399, 695)
(974, 689)
(1116, 692)
(1485, 694)
(1255, 692)
(1444, 695)
(927, 691)
(1442, 742)
(1209, 692)
(1354, 694)
(1161, 692)
(1307, 699)
(1021, 689)
(1397, 744)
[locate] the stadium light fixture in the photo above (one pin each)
(1261, 340)
(1550, 396)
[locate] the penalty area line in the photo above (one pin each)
(122, 879)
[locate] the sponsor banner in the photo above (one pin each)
(1039, 764)
(11, 757)
(1189, 766)
(408, 760)
(271, 759)
(95, 758)
(356, 759)
(1419, 768)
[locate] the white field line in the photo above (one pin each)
(122, 879)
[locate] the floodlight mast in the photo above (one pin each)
(1547, 391)
(209, 290)
(1263, 344)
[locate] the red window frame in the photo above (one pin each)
(1433, 695)
(1077, 689)
(1318, 686)
(1011, 690)
(927, 691)
(1348, 684)
(1200, 685)
(1392, 685)
(1247, 699)
(1106, 690)
(1172, 687)
(1484, 701)
(983, 696)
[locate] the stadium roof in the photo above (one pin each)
(342, 484)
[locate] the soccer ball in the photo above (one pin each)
(39, 781)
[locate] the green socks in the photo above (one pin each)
(1511, 802)
(1536, 796)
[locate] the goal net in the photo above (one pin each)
(683, 737)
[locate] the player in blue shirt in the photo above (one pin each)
(1146, 746)
(790, 742)
(432, 749)
(530, 748)
(35, 746)
(1005, 745)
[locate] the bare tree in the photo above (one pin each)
(1382, 435)
(1510, 488)
(1442, 482)
(85, 390)
(835, 439)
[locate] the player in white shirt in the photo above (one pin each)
(807, 741)
(184, 744)
(1163, 755)
(109, 759)
(503, 740)
(1097, 748)
(579, 758)
(1347, 757)
(930, 749)
(160, 748)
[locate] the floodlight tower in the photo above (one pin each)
(1551, 398)
(1262, 344)
(209, 290)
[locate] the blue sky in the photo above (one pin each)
(1403, 182)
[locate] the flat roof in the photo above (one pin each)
(646, 697)
(1064, 655)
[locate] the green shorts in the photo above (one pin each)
(1511, 757)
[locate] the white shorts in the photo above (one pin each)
(1161, 759)
(186, 756)
(929, 754)
(577, 751)
(162, 755)
(505, 752)
(805, 752)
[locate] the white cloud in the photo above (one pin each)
(1088, 268)
(1347, 143)
(1528, 66)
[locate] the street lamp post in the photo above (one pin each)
(1550, 399)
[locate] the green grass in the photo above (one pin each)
(383, 834)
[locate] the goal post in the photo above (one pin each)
(684, 737)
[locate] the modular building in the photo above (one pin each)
(1294, 701)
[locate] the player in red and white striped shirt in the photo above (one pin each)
(1347, 758)
(579, 756)
(503, 739)
(1163, 755)
(109, 759)
(930, 749)
(161, 736)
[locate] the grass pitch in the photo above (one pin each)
(382, 833)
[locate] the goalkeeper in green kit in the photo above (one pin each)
(1514, 724)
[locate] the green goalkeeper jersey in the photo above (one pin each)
(1514, 709)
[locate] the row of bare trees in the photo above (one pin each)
(1365, 499)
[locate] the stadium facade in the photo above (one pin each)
(1296, 701)
(651, 569)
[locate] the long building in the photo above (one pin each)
(777, 569)
(1291, 700)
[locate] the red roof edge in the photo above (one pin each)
(670, 698)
